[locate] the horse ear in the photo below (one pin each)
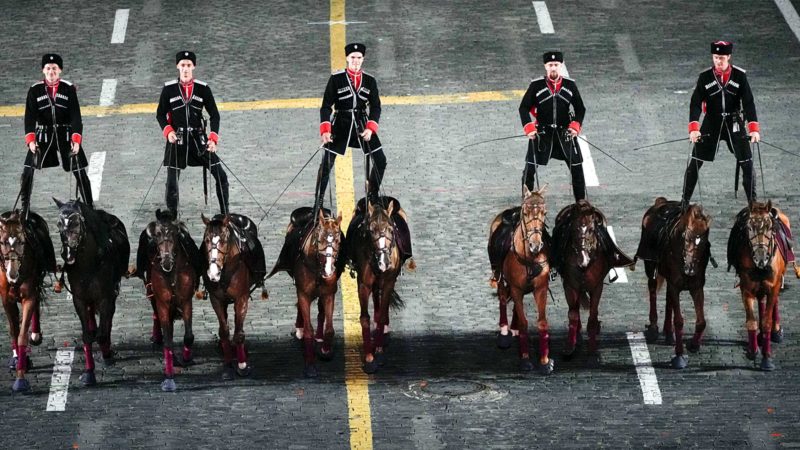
(525, 191)
(58, 203)
(769, 205)
(205, 219)
(370, 208)
(390, 209)
(149, 230)
(226, 220)
(321, 215)
(339, 219)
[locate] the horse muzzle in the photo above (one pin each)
(12, 272)
(167, 264)
(214, 273)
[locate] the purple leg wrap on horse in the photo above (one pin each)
(92, 323)
(767, 343)
(226, 351)
(241, 354)
(752, 342)
(544, 344)
(572, 334)
(187, 353)
(87, 353)
(678, 342)
(169, 369)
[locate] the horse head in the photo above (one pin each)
(71, 227)
(380, 227)
(532, 215)
(696, 225)
(583, 232)
(164, 232)
(760, 233)
(325, 242)
(12, 245)
(216, 243)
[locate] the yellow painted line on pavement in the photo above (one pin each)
(294, 103)
(357, 382)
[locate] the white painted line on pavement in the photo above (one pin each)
(107, 92)
(59, 382)
(790, 14)
(622, 275)
(630, 62)
(543, 17)
(96, 163)
(588, 164)
(120, 26)
(644, 369)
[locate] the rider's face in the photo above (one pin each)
(51, 72)
(185, 69)
(721, 61)
(354, 61)
(553, 69)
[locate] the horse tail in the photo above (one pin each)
(395, 302)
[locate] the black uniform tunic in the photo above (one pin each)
(52, 122)
(185, 117)
(353, 111)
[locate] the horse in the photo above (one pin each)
(675, 248)
(519, 253)
(313, 255)
(378, 246)
(583, 254)
(757, 248)
(233, 262)
(26, 256)
(95, 250)
(171, 275)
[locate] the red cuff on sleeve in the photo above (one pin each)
(167, 130)
(324, 127)
(77, 138)
(575, 126)
(529, 128)
(30, 137)
(694, 126)
(752, 127)
(372, 125)
(213, 137)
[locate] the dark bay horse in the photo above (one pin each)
(95, 249)
(26, 256)
(313, 255)
(519, 251)
(583, 254)
(758, 247)
(675, 248)
(234, 262)
(378, 245)
(171, 274)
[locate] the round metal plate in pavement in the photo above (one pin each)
(455, 389)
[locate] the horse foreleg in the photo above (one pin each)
(28, 305)
(540, 295)
(224, 329)
(651, 331)
(386, 291)
(168, 333)
(522, 327)
(574, 315)
(156, 337)
(188, 334)
(36, 327)
(750, 324)
(12, 316)
(698, 296)
(327, 343)
(87, 335)
(766, 325)
(364, 291)
(593, 326)
(674, 306)
(319, 336)
(298, 324)
(304, 309)
(669, 328)
(240, 306)
(106, 322)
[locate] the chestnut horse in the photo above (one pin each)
(313, 255)
(583, 254)
(378, 244)
(675, 248)
(95, 249)
(519, 249)
(757, 247)
(26, 256)
(171, 276)
(234, 259)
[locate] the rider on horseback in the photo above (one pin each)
(551, 126)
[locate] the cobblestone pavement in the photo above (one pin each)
(445, 384)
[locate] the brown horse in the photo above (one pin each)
(757, 248)
(675, 248)
(95, 250)
(26, 255)
(171, 277)
(313, 256)
(519, 249)
(583, 254)
(378, 244)
(233, 257)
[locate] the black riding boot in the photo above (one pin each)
(221, 179)
(26, 187)
(376, 175)
(690, 181)
(172, 195)
(323, 174)
(84, 187)
(578, 182)
(748, 180)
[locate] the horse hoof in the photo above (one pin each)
(371, 367)
(386, 337)
(325, 356)
(380, 358)
(547, 369)
(693, 346)
(569, 353)
(168, 385)
(525, 365)
(21, 385)
(36, 339)
(185, 362)
(767, 365)
(777, 336)
(244, 373)
(751, 355)
(504, 341)
(669, 338)
(88, 379)
(680, 362)
(228, 373)
(310, 371)
(594, 361)
(109, 361)
(651, 334)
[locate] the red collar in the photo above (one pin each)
(723, 76)
(353, 73)
(187, 83)
(53, 84)
(554, 85)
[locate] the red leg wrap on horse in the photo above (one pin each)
(776, 315)
(524, 348)
(169, 368)
(767, 343)
(187, 353)
(22, 361)
(87, 354)
(241, 354)
(572, 336)
(752, 342)
(308, 349)
(544, 344)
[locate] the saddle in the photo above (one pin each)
(664, 217)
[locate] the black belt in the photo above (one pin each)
(354, 110)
